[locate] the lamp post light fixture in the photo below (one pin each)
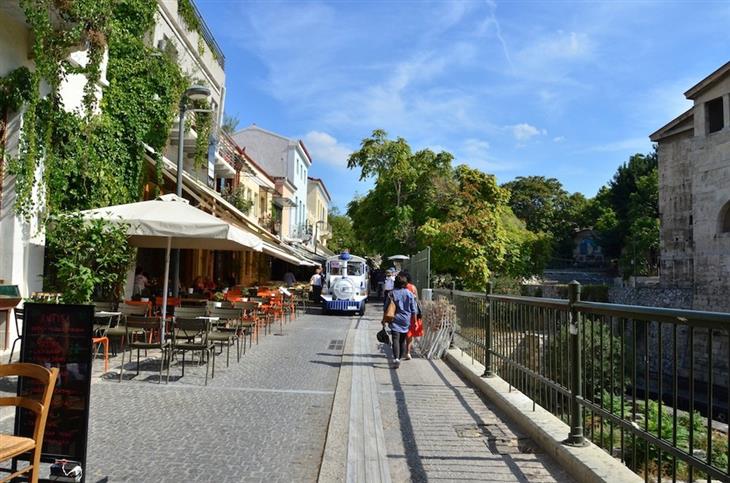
(191, 93)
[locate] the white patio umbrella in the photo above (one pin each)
(170, 222)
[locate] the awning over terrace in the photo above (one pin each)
(282, 253)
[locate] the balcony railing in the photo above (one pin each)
(302, 231)
(270, 224)
(228, 150)
(208, 37)
(648, 385)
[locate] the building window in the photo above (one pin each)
(714, 115)
(725, 218)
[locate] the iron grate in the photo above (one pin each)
(336, 345)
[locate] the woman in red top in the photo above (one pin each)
(416, 328)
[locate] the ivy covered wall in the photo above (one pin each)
(95, 160)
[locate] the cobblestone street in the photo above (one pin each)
(263, 419)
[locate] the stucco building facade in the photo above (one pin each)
(284, 158)
(694, 194)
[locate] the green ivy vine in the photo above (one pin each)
(96, 158)
(15, 90)
(186, 10)
(203, 126)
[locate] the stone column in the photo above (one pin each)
(726, 111)
(699, 119)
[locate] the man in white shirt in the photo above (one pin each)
(389, 282)
(316, 284)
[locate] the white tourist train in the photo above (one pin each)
(346, 284)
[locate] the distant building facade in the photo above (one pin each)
(288, 160)
(586, 249)
(318, 207)
(694, 194)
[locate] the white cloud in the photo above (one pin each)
(475, 153)
(524, 132)
(475, 148)
(559, 46)
(491, 22)
(633, 145)
(558, 139)
(326, 149)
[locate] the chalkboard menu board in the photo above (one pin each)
(59, 336)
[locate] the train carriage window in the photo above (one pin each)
(334, 268)
(354, 268)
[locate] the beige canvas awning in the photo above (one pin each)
(170, 222)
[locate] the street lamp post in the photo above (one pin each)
(191, 93)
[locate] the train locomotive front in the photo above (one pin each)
(345, 287)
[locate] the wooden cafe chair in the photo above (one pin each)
(13, 446)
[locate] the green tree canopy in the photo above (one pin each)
(343, 235)
(537, 200)
(230, 123)
(419, 200)
(408, 190)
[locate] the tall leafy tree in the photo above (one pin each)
(470, 241)
(625, 215)
(408, 189)
(545, 206)
(537, 200)
(343, 235)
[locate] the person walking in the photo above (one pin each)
(405, 307)
(140, 282)
(389, 282)
(416, 328)
(289, 278)
(316, 283)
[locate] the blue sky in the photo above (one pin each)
(564, 89)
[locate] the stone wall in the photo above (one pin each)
(673, 298)
(652, 296)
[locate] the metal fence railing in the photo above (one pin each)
(649, 385)
(419, 266)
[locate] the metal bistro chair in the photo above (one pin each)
(18, 324)
(102, 323)
(251, 318)
(236, 330)
(192, 335)
(12, 446)
(223, 304)
(135, 324)
(264, 314)
(302, 296)
(193, 301)
(191, 312)
(119, 331)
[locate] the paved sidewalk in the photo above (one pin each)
(421, 422)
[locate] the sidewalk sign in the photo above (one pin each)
(59, 335)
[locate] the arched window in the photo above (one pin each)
(725, 218)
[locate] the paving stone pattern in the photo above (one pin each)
(438, 428)
(263, 419)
